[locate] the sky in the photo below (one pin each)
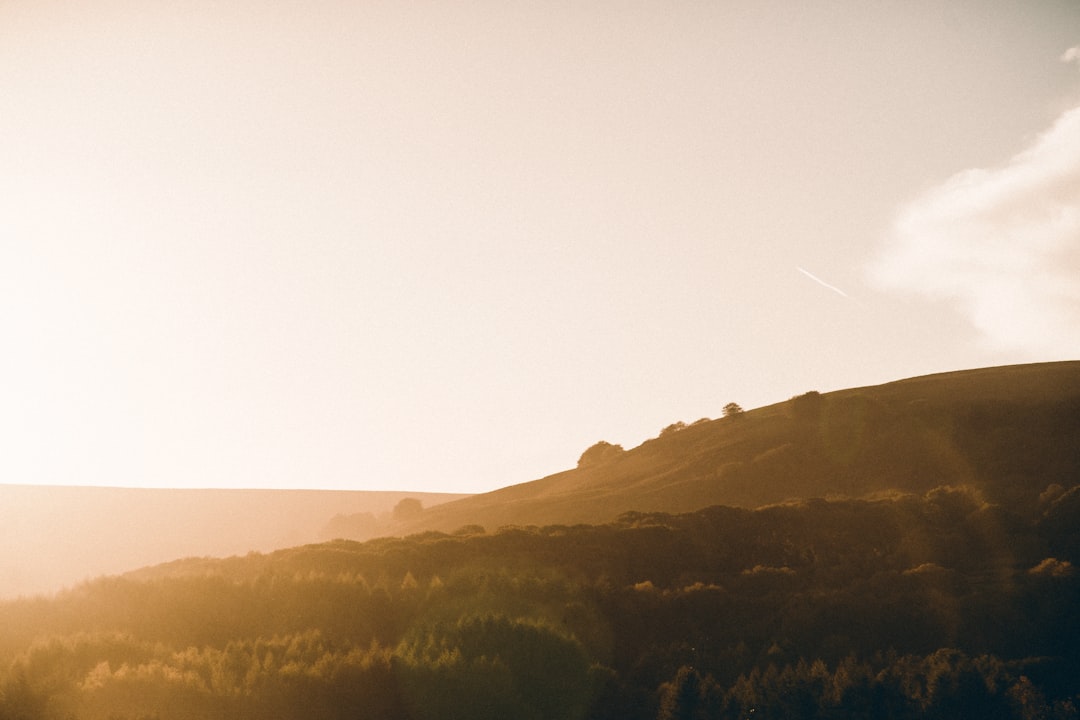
(446, 246)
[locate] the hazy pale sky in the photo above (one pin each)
(446, 246)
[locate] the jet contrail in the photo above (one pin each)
(821, 282)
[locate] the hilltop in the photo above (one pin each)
(1011, 433)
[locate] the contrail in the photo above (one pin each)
(821, 282)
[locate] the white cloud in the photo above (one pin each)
(1072, 55)
(1003, 244)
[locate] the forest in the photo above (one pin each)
(932, 605)
(903, 551)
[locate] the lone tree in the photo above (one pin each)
(599, 453)
(733, 410)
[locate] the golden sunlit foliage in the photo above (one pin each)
(911, 606)
(911, 553)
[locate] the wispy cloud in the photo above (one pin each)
(1003, 244)
(821, 282)
(1072, 55)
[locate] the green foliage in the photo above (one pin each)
(949, 590)
(494, 667)
(19, 700)
(684, 697)
(931, 606)
(944, 684)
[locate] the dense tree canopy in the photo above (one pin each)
(939, 605)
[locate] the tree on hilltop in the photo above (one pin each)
(808, 406)
(673, 428)
(733, 409)
(601, 452)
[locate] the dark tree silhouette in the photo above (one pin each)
(601, 452)
(679, 699)
(808, 406)
(673, 428)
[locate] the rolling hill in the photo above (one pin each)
(55, 536)
(1012, 433)
(938, 579)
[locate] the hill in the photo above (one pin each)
(937, 580)
(51, 537)
(1010, 432)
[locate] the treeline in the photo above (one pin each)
(946, 684)
(914, 606)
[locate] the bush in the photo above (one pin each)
(601, 452)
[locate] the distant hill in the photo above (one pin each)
(51, 537)
(1012, 433)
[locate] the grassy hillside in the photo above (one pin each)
(1011, 432)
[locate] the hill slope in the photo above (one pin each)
(57, 536)
(1011, 432)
